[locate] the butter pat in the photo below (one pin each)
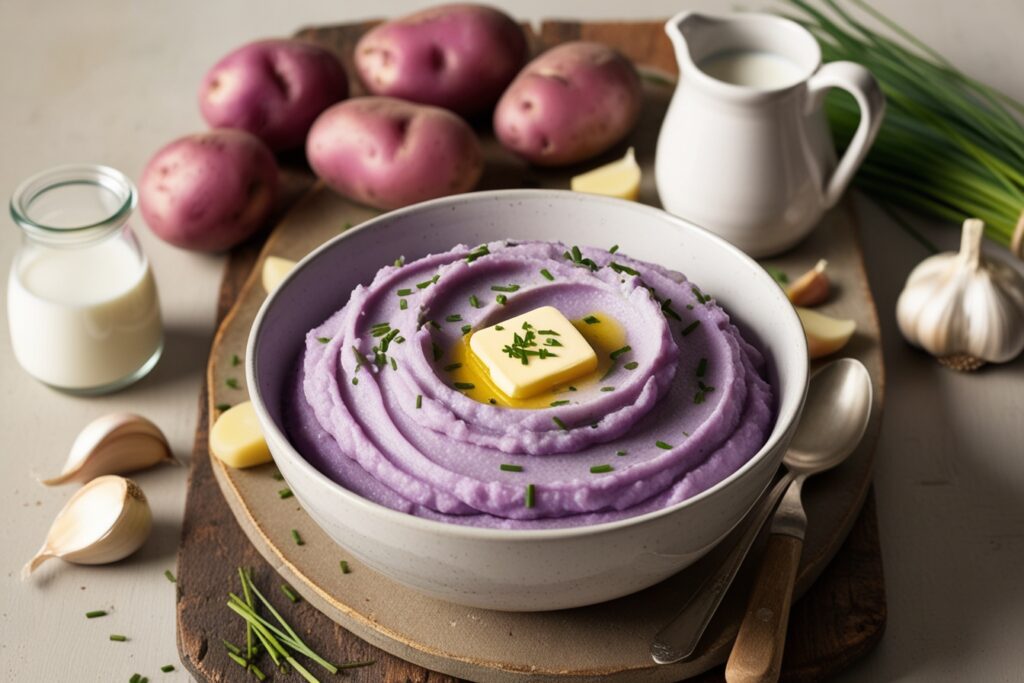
(275, 269)
(236, 438)
(554, 351)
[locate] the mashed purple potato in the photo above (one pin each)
(687, 409)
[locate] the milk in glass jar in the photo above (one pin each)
(81, 300)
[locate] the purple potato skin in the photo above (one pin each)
(387, 153)
(209, 191)
(460, 57)
(569, 104)
(274, 89)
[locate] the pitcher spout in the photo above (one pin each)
(683, 29)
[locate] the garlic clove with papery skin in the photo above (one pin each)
(811, 288)
(964, 307)
(106, 520)
(114, 444)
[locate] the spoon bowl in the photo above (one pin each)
(834, 420)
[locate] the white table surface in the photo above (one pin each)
(110, 82)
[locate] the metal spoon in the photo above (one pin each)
(833, 413)
(840, 405)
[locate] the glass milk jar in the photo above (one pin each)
(81, 300)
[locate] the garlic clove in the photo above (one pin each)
(275, 270)
(104, 521)
(825, 335)
(114, 444)
(811, 288)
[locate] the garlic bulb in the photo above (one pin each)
(964, 308)
(104, 521)
(114, 444)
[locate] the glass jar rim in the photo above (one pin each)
(106, 177)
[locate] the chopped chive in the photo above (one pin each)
(135, 678)
(607, 388)
(691, 327)
(492, 401)
(235, 360)
(666, 308)
(399, 339)
(504, 467)
(777, 275)
(620, 452)
(95, 613)
(436, 350)
(464, 386)
(689, 307)
(360, 358)
(547, 274)
(591, 320)
(297, 538)
(167, 668)
(453, 366)
(505, 288)
(170, 576)
(631, 365)
(453, 318)
(239, 660)
(323, 340)
(499, 328)
(403, 304)
(466, 329)
(285, 493)
(702, 367)
(278, 476)
(473, 301)
(355, 381)
(404, 292)
(289, 592)
(618, 352)
(572, 388)
(686, 434)
(394, 363)
(118, 638)
(527, 325)
(232, 383)
(663, 445)
(619, 268)
(344, 567)
(530, 495)
(399, 262)
(501, 299)
(384, 324)
(427, 283)
(550, 333)
(231, 647)
(614, 248)
(221, 407)
(555, 404)
(482, 250)
(559, 422)
(551, 341)
(419, 401)
(601, 469)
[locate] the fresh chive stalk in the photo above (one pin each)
(951, 146)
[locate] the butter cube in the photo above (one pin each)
(275, 269)
(533, 352)
(236, 438)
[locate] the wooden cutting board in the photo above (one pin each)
(840, 618)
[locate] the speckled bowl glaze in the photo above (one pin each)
(526, 570)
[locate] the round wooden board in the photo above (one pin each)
(610, 640)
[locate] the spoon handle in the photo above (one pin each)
(679, 639)
(757, 653)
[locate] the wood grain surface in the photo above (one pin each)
(839, 619)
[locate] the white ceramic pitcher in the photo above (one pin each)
(751, 158)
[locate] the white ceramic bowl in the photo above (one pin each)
(535, 569)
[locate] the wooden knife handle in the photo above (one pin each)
(757, 653)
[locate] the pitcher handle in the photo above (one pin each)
(858, 81)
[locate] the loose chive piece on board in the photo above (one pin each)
(530, 495)
(170, 576)
(344, 567)
(118, 638)
(167, 668)
(289, 592)
(285, 493)
(297, 538)
(232, 383)
(95, 613)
